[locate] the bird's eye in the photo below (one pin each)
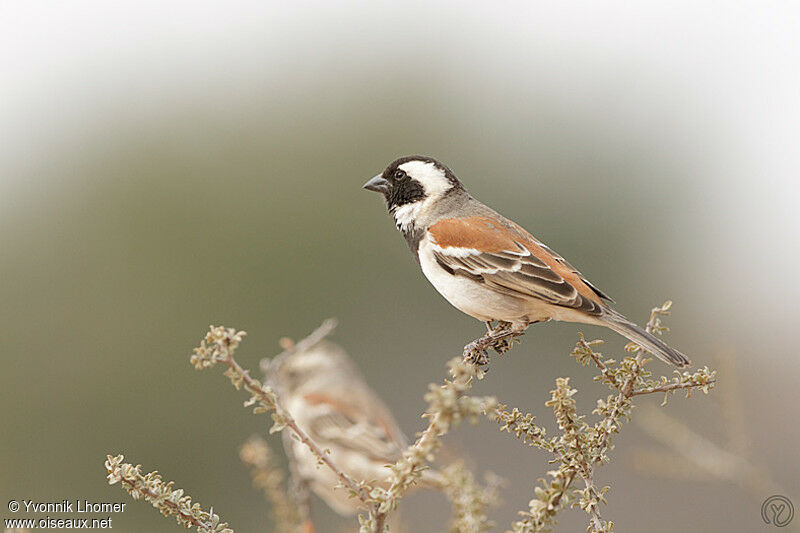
(399, 174)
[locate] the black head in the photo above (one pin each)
(413, 179)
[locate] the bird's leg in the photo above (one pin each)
(505, 334)
(497, 338)
(473, 353)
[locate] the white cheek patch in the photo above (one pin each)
(431, 177)
(433, 181)
(405, 215)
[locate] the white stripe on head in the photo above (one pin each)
(435, 183)
(432, 178)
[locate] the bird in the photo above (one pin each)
(489, 267)
(320, 386)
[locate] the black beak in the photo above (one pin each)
(377, 184)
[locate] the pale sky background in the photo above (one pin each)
(725, 67)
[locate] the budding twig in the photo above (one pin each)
(171, 502)
(582, 447)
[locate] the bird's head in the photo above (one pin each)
(412, 186)
(311, 367)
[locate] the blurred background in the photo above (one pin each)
(169, 165)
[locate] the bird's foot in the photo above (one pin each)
(498, 338)
(476, 354)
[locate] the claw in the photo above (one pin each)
(475, 352)
(499, 338)
(481, 357)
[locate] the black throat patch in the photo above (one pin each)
(405, 192)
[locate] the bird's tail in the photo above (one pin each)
(649, 342)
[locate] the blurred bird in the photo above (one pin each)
(489, 267)
(325, 393)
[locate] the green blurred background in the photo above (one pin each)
(169, 165)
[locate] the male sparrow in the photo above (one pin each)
(489, 267)
(324, 392)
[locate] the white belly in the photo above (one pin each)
(474, 298)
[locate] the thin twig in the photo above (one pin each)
(598, 361)
(170, 501)
(448, 404)
(398, 487)
(597, 520)
(174, 508)
(665, 388)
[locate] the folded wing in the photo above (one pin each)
(509, 259)
(366, 427)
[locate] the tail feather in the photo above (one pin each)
(649, 342)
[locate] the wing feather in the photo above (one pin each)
(373, 433)
(508, 258)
